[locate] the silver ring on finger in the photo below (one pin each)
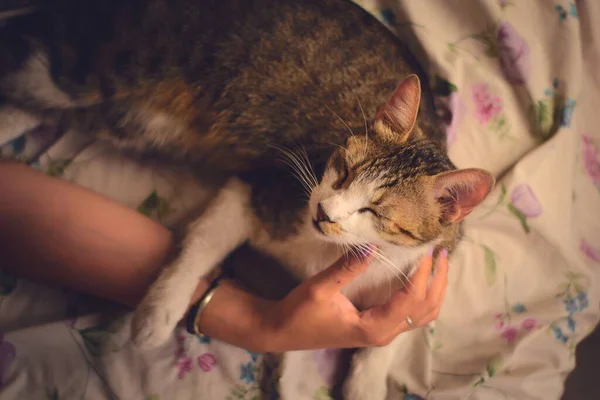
(410, 322)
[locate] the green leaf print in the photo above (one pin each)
(154, 204)
(8, 283)
(514, 211)
(490, 265)
(98, 341)
(57, 167)
(149, 204)
(441, 87)
(541, 118)
(489, 38)
(322, 393)
(152, 397)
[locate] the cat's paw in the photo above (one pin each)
(153, 324)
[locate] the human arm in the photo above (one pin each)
(49, 233)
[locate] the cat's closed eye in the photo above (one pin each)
(343, 174)
(368, 210)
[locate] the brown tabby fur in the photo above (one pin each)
(219, 82)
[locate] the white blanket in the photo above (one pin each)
(522, 81)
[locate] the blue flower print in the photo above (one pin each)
(582, 299)
(412, 397)
(18, 144)
(388, 16)
(573, 10)
(570, 304)
(571, 323)
(559, 335)
(562, 13)
(247, 372)
(567, 113)
(519, 308)
(254, 356)
(203, 339)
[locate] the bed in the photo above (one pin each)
(518, 84)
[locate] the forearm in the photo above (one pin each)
(56, 232)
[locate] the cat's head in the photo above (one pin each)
(394, 186)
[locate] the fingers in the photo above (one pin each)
(339, 274)
(418, 284)
(432, 301)
(381, 324)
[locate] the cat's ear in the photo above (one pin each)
(459, 192)
(399, 113)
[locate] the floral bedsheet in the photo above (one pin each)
(520, 86)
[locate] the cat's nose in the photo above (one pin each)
(321, 214)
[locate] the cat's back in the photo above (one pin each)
(239, 73)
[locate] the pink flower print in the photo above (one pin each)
(499, 324)
(207, 361)
(327, 364)
(589, 251)
(487, 106)
(528, 324)
(514, 55)
(510, 334)
(459, 110)
(591, 160)
(184, 365)
(524, 200)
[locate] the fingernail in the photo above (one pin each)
(365, 252)
(430, 252)
(444, 253)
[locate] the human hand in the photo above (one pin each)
(317, 315)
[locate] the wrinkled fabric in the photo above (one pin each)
(521, 82)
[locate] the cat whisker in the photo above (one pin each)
(311, 170)
(366, 125)
(304, 167)
(340, 118)
(377, 253)
(298, 167)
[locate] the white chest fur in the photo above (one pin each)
(305, 254)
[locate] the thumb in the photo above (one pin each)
(342, 272)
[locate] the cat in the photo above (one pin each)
(233, 85)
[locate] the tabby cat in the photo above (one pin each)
(234, 85)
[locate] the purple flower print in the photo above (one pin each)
(528, 324)
(207, 361)
(459, 110)
(8, 353)
(184, 365)
(510, 334)
(487, 106)
(589, 251)
(44, 135)
(524, 200)
(582, 300)
(514, 55)
(591, 160)
(570, 304)
(327, 364)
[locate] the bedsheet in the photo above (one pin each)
(520, 84)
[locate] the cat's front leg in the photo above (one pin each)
(369, 370)
(225, 225)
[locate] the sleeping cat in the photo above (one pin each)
(234, 85)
